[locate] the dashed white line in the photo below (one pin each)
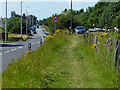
(6, 52)
(38, 42)
(20, 47)
(32, 43)
(0, 54)
(13, 49)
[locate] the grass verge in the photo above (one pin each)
(62, 62)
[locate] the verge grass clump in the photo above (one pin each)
(28, 71)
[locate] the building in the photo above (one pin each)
(2, 24)
(13, 13)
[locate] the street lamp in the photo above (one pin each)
(21, 19)
(6, 24)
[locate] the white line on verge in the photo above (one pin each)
(13, 49)
(6, 52)
(20, 47)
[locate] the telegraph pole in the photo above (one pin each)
(6, 24)
(27, 21)
(21, 18)
(71, 15)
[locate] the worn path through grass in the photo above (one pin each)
(76, 67)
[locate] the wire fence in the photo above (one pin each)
(108, 46)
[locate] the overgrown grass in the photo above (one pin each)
(63, 62)
(12, 37)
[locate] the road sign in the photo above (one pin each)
(55, 19)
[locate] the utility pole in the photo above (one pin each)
(71, 16)
(32, 20)
(6, 24)
(21, 18)
(27, 21)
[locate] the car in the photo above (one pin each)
(34, 32)
(92, 30)
(30, 34)
(79, 29)
(37, 26)
(46, 34)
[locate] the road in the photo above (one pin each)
(16, 50)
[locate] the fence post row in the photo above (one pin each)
(118, 53)
(111, 45)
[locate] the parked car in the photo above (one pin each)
(46, 34)
(34, 32)
(37, 26)
(30, 34)
(79, 29)
(92, 30)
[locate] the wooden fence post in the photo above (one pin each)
(116, 53)
(111, 45)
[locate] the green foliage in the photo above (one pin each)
(2, 29)
(63, 62)
(103, 14)
(118, 21)
(13, 25)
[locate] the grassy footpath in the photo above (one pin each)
(62, 62)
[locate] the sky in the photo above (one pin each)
(43, 9)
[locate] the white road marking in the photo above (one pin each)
(6, 52)
(25, 45)
(32, 43)
(20, 47)
(13, 49)
(38, 42)
(0, 54)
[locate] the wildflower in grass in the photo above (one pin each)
(115, 31)
(115, 36)
(94, 45)
(105, 34)
(99, 43)
(58, 30)
(119, 35)
(55, 34)
(48, 37)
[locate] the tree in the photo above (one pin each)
(65, 10)
(118, 22)
(82, 10)
(13, 25)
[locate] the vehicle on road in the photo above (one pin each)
(37, 26)
(30, 34)
(79, 29)
(92, 30)
(34, 32)
(46, 34)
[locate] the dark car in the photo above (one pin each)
(46, 34)
(37, 26)
(30, 34)
(34, 32)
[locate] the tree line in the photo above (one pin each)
(102, 15)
